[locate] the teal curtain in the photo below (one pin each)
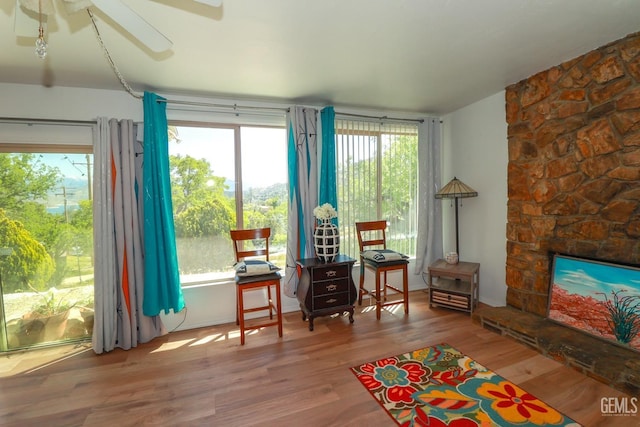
(328, 193)
(162, 289)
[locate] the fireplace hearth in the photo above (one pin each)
(609, 363)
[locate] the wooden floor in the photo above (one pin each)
(204, 377)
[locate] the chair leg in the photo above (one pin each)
(279, 309)
(378, 301)
(384, 286)
(237, 303)
(240, 309)
(361, 289)
(405, 289)
(270, 302)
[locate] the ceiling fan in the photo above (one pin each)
(30, 15)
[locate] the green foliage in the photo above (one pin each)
(200, 206)
(398, 186)
(267, 207)
(192, 180)
(58, 237)
(399, 177)
(22, 178)
(82, 219)
(209, 217)
(395, 157)
(40, 240)
(29, 263)
(204, 214)
(44, 227)
(624, 312)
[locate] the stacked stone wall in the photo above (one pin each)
(574, 167)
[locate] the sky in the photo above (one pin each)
(71, 165)
(587, 278)
(264, 152)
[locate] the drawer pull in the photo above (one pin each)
(331, 273)
(331, 287)
(331, 301)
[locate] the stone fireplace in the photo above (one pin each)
(573, 175)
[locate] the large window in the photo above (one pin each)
(223, 178)
(377, 178)
(46, 245)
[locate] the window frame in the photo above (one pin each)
(238, 179)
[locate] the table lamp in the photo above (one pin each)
(456, 189)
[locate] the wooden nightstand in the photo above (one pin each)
(326, 288)
(454, 285)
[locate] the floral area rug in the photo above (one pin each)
(439, 386)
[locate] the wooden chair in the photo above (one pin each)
(372, 236)
(260, 238)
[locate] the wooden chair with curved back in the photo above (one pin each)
(256, 272)
(375, 256)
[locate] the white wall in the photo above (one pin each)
(475, 151)
(61, 103)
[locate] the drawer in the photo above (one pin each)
(330, 300)
(330, 286)
(452, 300)
(331, 272)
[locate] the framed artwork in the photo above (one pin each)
(596, 297)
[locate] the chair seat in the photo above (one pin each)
(243, 280)
(376, 264)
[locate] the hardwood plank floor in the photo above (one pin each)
(204, 377)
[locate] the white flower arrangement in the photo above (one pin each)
(325, 212)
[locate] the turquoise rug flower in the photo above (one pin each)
(439, 386)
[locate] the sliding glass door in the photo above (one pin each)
(46, 246)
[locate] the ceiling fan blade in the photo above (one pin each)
(38, 6)
(214, 3)
(134, 24)
(73, 6)
(26, 21)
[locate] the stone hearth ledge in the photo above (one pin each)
(609, 363)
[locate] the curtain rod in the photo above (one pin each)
(48, 121)
(382, 118)
(236, 107)
(232, 107)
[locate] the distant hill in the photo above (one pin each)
(259, 194)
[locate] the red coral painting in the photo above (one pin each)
(596, 297)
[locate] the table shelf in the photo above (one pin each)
(454, 286)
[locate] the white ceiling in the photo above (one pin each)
(430, 56)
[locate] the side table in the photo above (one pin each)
(454, 286)
(326, 288)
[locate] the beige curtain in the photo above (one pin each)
(119, 272)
